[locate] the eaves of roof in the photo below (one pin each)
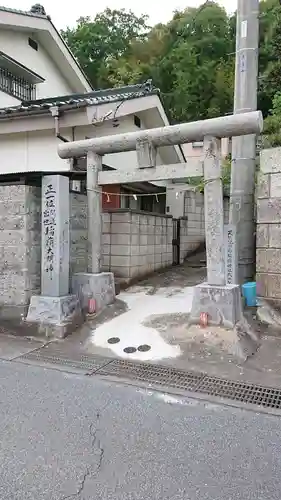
(74, 101)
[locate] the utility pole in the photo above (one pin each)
(242, 203)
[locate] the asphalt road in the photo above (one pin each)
(66, 437)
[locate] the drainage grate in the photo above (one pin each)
(65, 360)
(195, 382)
(240, 391)
(156, 375)
(159, 375)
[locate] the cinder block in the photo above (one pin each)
(135, 250)
(274, 286)
(275, 185)
(135, 228)
(135, 218)
(121, 228)
(263, 186)
(105, 260)
(269, 210)
(144, 219)
(105, 239)
(12, 238)
(106, 249)
(120, 250)
(120, 261)
(143, 229)
(121, 239)
(106, 217)
(270, 160)
(135, 261)
(106, 227)
(11, 223)
(121, 217)
(268, 260)
(262, 235)
(143, 249)
(120, 272)
(275, 235)
(261, 280)
(135, 239)
(143, 239)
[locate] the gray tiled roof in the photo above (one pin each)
(80, 100)
(23, 12)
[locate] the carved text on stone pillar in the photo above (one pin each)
(49, 223)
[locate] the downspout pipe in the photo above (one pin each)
(55, 113)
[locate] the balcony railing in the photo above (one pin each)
(16, 86)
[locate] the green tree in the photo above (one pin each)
(106, 38)
(272, 124)
(197, 62)
(190, 59)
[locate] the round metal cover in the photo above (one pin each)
(113, 340)
(129, 350)
(144, 348)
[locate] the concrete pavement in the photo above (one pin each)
(74, 437)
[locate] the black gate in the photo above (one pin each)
(176, 241)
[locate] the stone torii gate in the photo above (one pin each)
(217, 298)
(146, 143)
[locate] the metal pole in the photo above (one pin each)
(244, 148)
(225, 126)
(94, 165)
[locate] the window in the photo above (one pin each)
(16, 86)
(33, 44)
(137, 121)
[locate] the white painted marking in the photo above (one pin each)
(130, 329)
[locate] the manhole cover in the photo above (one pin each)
(113, 340)
(144, 348)
(129, 350)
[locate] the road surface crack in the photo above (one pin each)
(90, 470)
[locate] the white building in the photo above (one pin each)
(45, 97)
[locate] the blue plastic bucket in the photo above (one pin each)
(249, 291)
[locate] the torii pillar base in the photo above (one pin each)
(222, 304)
(98, 287)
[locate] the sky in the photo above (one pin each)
(65, 14)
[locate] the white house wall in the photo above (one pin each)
(29, 144)
(30, 152)
(7, 100)
(15, 44)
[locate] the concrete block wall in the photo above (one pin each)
(268, 254)
(136, 243)
(19, 247)
(193, 222)
(188, 242)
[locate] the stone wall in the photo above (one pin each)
(268, 258)
(19, 247)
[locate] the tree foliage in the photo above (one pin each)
(191, 58)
